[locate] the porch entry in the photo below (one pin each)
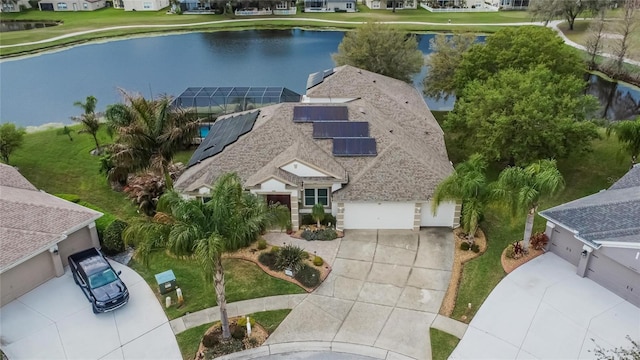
(283, 199)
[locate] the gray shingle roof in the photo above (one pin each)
(31, 220)
(608, 216)
(411, 158)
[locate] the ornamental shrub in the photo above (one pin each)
(262, 244)
(275, 249)
(317, 261)
(539, 240)
(268, 259)
(475, 248)
(464, 246)
(327, 234)
(243, 321)
(309, 235)
(305, 255)
(238, 332)
(308, 276)
(290, 256)
(510, 253)
(112, 242)
(210, 340)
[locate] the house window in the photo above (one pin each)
(349, 5)
(85, 5)
(146, 5)
(314, 3)
(314, 196)
(283, 5)
(375, 5)
(62, 6)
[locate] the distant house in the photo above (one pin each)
(600, 235)
(391, 4)
(144, 5)
(363, 145)
(329, 5)
(38, 232)
(72, 5)
(14, 5)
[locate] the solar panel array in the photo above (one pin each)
(303, 114)
(222, 133)
(333, 129)
(351, 146)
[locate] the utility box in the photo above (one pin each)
(166, 281)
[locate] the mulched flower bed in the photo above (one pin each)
(258, 336)
(298, 234)
(252, 253)
(509, 264)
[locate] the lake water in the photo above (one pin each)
(43, 88)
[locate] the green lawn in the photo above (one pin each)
(105, 18)
(189, 340)
(244, 280)
(57, 165)
(584, 175)
(442, 344)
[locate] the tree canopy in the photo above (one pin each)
(382, 49)
(547, 10)
(11, 138)
(444, 61)
(521, 117)
(149, 133)
(628, 134)
(520, 48)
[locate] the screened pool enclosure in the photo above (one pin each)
(211, 102)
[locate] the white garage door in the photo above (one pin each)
(443, 217)
(383, 215)
(564, 244)
(615, 277)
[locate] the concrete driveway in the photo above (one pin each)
(384, 291)
(543, 310)
(55, 321)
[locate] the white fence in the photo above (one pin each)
(482, 8)
(285, 12)
(254, 12)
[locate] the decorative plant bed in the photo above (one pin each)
(313, 228)
(510, 264)
(212, 347)
(252, 254)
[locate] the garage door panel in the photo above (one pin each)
(443, 217)
(566, 246)
(383, 215)
(617, 278)
(23, 278)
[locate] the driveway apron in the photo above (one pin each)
(385, 290)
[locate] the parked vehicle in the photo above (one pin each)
(97, 279)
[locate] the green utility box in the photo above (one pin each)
(166, 281)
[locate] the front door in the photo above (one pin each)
(282, 199)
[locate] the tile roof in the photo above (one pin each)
(32, 220)
(611, 215)
(411, 160)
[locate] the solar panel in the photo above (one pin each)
(320, 113)
(222, 133)
(314, 79)
(354, 147)
(343, 129)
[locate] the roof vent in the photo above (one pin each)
(406, 102)
(374, 81)
(391, 131)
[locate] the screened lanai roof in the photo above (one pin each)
(222, 100)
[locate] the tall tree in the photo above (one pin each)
(89, 121)
(468, 184)
(11, 138)
(595, 38)
(149, 133)
(628, 133)
(625, 28)
(232, 219)
(447, 51)
(520, 117)
(382, 49)
(522, 188)
(547, 10)
(520, 48)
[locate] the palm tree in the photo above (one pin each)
(522, 188)
(317, 213)
(89, 120)
(232, 219)
(150, 132)
(628, 133)
(468, 183)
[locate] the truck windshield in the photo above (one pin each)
(102, 278)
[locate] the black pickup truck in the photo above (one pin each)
(97, 279)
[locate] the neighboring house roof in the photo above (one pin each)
(411, 155)
(611, 215)
(32, 220)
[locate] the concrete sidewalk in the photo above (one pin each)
(544, 310)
